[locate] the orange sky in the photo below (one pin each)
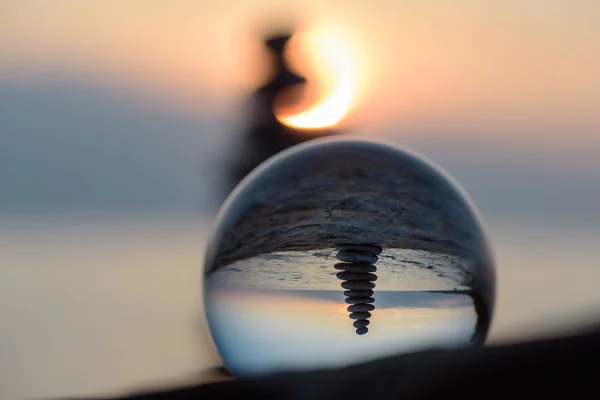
(535, 60)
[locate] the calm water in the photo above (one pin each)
(94, 306)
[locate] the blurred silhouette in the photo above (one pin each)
(266, 135)
(359, 280)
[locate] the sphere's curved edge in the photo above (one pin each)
(482, 292)
(231, 210)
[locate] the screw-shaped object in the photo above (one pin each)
(359, 280)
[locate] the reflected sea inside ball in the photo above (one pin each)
(341, 251)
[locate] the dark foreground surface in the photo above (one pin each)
(564, 366)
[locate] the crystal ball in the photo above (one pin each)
(340, 251)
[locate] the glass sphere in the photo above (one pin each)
(340, 251)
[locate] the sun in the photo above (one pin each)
(336, 74)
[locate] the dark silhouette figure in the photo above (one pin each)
(359, 280)
(266, 135)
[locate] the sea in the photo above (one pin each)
(97, 305)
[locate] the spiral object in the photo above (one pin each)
(358, 276)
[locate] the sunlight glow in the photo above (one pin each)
(337, 69)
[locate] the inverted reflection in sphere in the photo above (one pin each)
(340, 251)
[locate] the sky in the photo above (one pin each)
(466, 59)
(510, 88)
(265, 330)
